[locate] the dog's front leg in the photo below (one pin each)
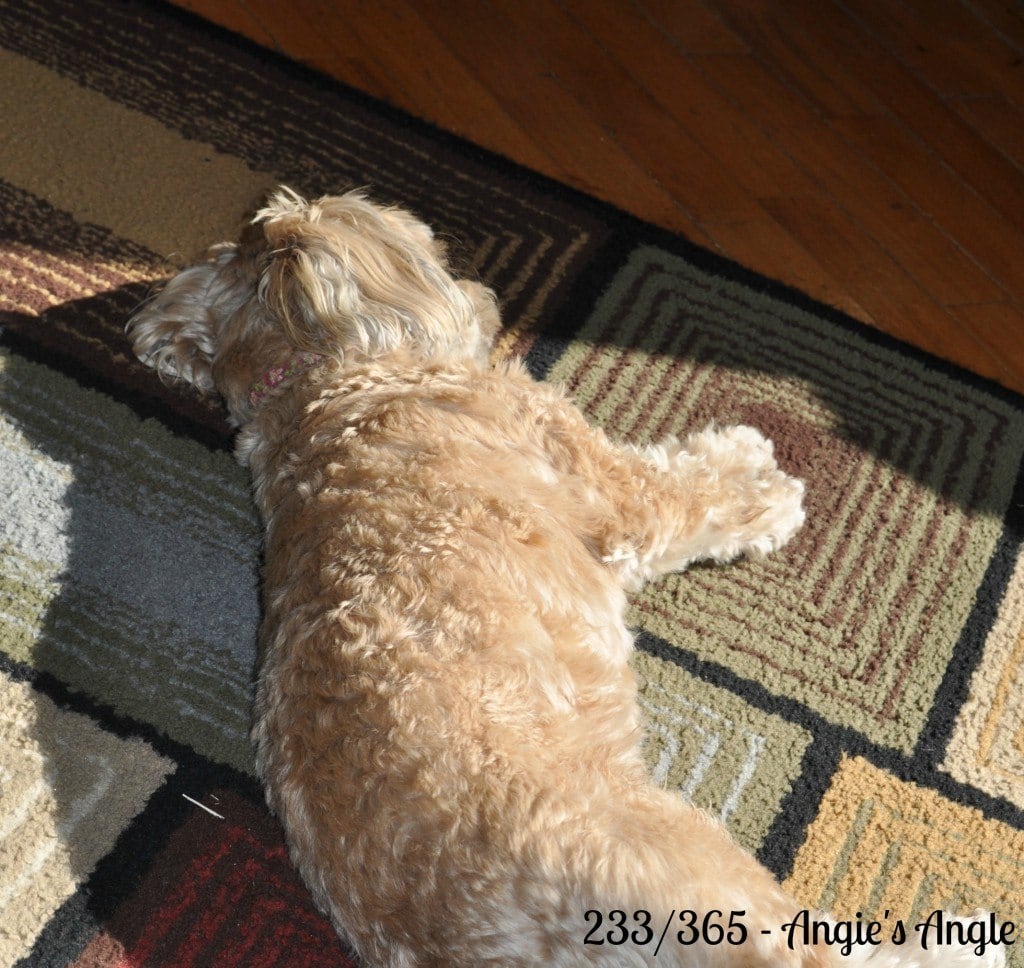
(715, 496)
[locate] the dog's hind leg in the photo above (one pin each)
(655, 881)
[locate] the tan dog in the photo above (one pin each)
(446, 722)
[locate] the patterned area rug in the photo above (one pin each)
(852, 708)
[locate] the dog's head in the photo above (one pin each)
(340, 276)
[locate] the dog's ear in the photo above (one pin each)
(175, 330)
(344, 272)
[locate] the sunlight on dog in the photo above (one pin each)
(446, 722)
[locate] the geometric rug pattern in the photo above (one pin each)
(852, 708)
(871, 596)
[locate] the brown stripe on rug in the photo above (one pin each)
(850, 708)
(187, 187)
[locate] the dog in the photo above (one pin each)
(445, 718)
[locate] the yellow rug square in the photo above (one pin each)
(891, 850)
(987, 746)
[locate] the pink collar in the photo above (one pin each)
(278, 375)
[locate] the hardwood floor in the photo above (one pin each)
(870, 152)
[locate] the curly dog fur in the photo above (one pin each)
(446, 721)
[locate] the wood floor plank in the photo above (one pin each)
(997, 326)
(973, 40)
(687, 102)
(538, 100)
(949, 137)
(697, 29)
(998, 121)
(941, 41)
(891, 217)
(433, 82)
(628, 113)
(783, 40)
(766, 245)
(896, 302)
(756, 91)
(314, 34)
(940, 194)
(1005, 19)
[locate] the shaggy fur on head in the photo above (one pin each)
(445, 722)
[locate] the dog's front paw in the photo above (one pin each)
(778, 513)
(752, 507)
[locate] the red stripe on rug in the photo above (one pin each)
(221, 892)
